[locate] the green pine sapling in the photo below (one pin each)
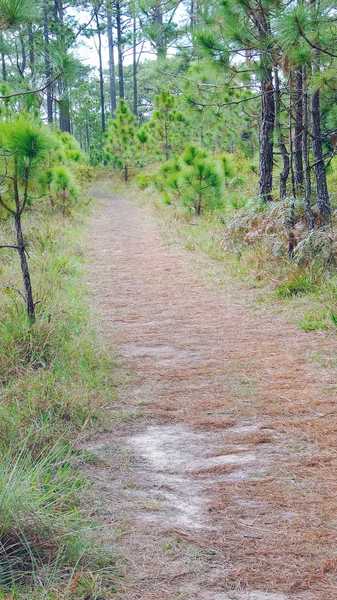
(201, 180)
(24, 144)
(168, 125)
(121, 146)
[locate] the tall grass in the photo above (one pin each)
(55, 374)
(56, 382)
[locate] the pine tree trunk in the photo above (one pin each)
(24, 269)
(101, 79)
(64, 104)
(160, 43)
(64, 109)
(317, 153)
(3, 67)
(283, 149)
(298, 146)
(266, 137)
(112, 76)
(31, 49)
(120, 50)
(47, 63)
(266, 134)
(193, 11)
(305, 154)
(134, 69)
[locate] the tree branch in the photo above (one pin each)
(37, 91)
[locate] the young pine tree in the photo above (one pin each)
(201, 180)
(168, 125)
(121, 146)
(24, 145)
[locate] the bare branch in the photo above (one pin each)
(15, 289)
(36, 91)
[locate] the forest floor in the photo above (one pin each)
(218, 479)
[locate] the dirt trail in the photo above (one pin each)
(218, 480)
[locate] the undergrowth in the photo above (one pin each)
(56, 381)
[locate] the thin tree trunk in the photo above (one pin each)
(291, 144)
(47, 63)
(24, 269)
(266, 134)
(20, 242)
(3, 58)
(305, 153)
(193, 11)
(101, 79)
(120, 50)
(87, 133)
(112, 76)
(134, 69)
(298, 146)
(161, 46)
(317, 153)
(23, 56)
(64, 108)
(266, 137)
(283, 149)
(31, 49)
(3, 67)
(64, 104)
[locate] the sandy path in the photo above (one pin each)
(218, 480)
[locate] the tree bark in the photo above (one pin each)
(283, 149)
(134, 69)
(160, 42)
(47, 63)
(112, 76)
(25, 270)
(305, 153)
(266, 137)
(64, 109)
(3, 67)
(120, 50)
(31, 49)
(322, 194)
(298, 132)
(266, 134)
(101, 78)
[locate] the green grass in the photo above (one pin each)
(57, 382)
(297, 284)
(55, 374)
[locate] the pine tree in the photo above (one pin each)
(24, 145)
(168, 125)
(121, 146)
